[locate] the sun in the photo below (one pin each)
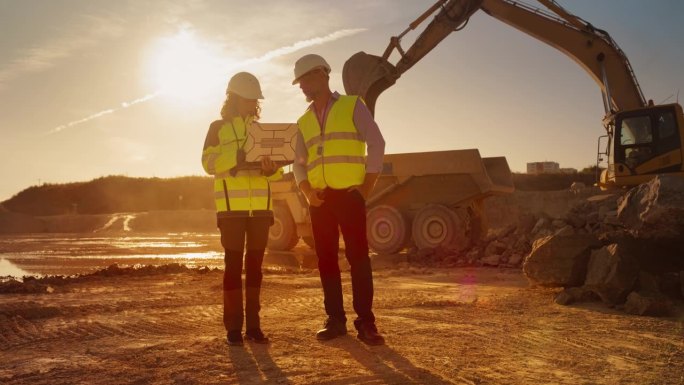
(184, 68)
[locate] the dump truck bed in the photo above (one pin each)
(447, 177)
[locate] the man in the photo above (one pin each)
(335, 176)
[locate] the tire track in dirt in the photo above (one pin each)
(133, 323)
(546, 342)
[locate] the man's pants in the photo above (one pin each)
(233, 232)
(347, 211)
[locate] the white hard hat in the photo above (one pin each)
(246, 85)
(307, 63)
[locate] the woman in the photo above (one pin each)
(243, 205)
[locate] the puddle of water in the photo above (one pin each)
(7, 268)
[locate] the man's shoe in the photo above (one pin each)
(368, 333)
(256, 336)
(331, 329)
(234, 338)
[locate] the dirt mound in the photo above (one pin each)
(49, 284)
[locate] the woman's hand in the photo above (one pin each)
(268, 167)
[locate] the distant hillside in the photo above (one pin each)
(114, 194)
(117, 194)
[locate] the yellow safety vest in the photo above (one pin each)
(336, 154)
(248, 192)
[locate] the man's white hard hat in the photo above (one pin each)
(246, 85)
(308, 63)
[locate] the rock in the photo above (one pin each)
(670, 285)
(648, 283)
(526, 223)
(558, 223)
(574, 294)
(544, 233)
(491, 260)
(643, 304)
(516, 258)
(541, 223)
(612, 273)
(559, 261)
(592, 218)
(495, 248)
(473, 255)
(565, 231)
(522, 245)
(611, 218)
(655, 209)
(576, 220)
(681, 281)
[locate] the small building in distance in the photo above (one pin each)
(543, 168)
(548, 168)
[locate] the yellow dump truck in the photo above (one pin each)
(428, 199)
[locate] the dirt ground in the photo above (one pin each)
(443, 326)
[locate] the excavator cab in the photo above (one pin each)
(646, 142)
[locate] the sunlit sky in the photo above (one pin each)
(90, 88)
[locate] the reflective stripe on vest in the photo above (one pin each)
(248, 190)
(336, 155)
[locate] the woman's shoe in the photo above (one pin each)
(234, 338)
(256, 336)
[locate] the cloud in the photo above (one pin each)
(275, 53)
(88, 32)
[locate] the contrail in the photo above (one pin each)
(260, 59)
(104, 112)
(301, 44)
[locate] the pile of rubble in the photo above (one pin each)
(626, 250)
(630, 255)
(52, 283)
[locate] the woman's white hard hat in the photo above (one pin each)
(246, 85)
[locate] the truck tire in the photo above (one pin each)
(387, 229)
(282, 236)
(436, 225)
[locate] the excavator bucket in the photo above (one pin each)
(368, 76)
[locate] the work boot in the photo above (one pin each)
(234, 338)
(232, 310)
(256, 336)
(368, 333)
(331, 329)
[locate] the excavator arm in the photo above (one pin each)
(593, 49)
(369, 75)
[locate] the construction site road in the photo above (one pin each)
(442, 326)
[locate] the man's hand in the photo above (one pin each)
(312, 195)
(367, 186)
(268, 167)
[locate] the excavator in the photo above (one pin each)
(641, 140)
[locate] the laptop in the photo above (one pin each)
(276, 140)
